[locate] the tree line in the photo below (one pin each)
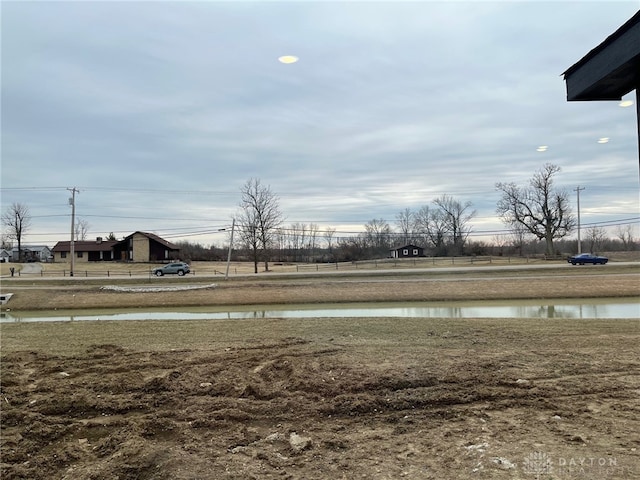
(538, 216)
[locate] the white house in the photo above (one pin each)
(32, 253)
(5, 256)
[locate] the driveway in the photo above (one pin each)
(31, 268)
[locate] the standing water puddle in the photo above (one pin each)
(600, 308)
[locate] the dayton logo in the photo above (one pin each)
(537, 463)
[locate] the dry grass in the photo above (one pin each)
(219, 269)
(405, 286)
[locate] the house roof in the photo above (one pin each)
(85, 246)
(154, 237)
(411, 245)
(31, 248)
(107, 245)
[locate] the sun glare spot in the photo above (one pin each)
(626, 103)
(286, 59)
(603, 140)
(542, 148)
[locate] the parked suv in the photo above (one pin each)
(180, 268)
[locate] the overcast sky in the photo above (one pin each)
(159, 112)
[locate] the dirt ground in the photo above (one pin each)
(350, 398)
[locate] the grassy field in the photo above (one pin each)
(123, 270)
(384, 285)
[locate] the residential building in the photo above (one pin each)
(32, 253)
(97, 250)
(145, 247)
(137, 247)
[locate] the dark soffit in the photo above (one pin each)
(610, 70)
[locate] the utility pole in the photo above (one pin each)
(577, 190)
(233, 226)
(72, 202)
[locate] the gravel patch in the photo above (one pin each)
(168, 288)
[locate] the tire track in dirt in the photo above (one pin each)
(300, 408)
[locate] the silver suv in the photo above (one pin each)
(180, 268)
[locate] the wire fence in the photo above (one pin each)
(419, 262)
(247, 268)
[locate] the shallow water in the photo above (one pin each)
(601, 308)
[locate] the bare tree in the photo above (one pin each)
(457, 216)
(5, 242)
(432, 224)
(517, 237)
(625, 235)
(329, 234)
(596, 237)
(81, 229)
(17, 220)
(298, 238)
(313, 239)
(377, 235)
(406, 225)
(499, 243)
(544, 211)
(258, 220)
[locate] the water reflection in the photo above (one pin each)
(568, 309)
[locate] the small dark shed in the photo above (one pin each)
(407, 251)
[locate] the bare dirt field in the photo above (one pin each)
(374, 398)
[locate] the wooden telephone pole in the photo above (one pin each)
(72, 202)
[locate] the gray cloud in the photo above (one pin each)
(390, 105)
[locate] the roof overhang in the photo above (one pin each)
(609, 71)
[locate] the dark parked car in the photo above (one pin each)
(180, 268)
(587, 258)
